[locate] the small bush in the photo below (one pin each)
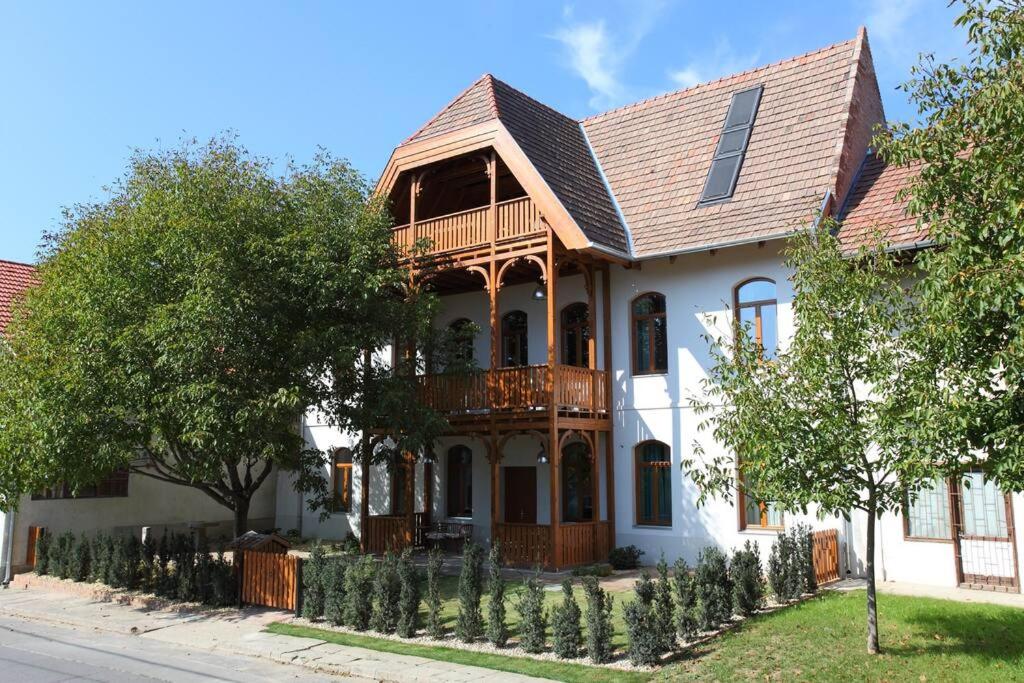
(713, 589)
(802, 579)
(566, 634)
(644, 641)
(497, 628)
(149, 562)
(386, 592)
(435, 560)
(627, 557)
(600, 570)
(332, 582)
(747, 580)
(409, 596)
(163, 579)
(686, 600)
(132, 562)
(350, 546)
(313, 570)
(359, 592)
(83, 559)
(224, 584)
(469, 623)
(599, 621)
(43, 553)
(533, 618)
(664, 607)
(778, 567)
(59, 555)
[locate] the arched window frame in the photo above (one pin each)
(522, 343)
(758, 305)
(582, 329)
(585, 495)
(341, 479)
(649, 321)
(459, 477)
(659, 469)
(465, 344)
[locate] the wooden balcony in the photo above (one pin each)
(524, 388)
(470, 230)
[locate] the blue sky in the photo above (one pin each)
(85, 83)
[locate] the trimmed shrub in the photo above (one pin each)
(469, 624)
(435, 560)
(332, 582)
(313, 570)
(386, 591)
(747, 580)
(599, 621)
(224, 584)
(664, 607)
(533, 618)
(59, 558)
(566, 634)
(83, 559)
(713, 589)
(350, 546)
(118, 563)
(43, 553)
(626, 557)
(149, 562)
(133, 562)
(409, 596)
(600, 570)
(99, 559)
(802, 570)
(778, 567)
(359, 592)
(108, 546)
(643, 639)
(497, 628)
(163, 580)
(686, 600)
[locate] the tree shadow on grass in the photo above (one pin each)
(988, 633)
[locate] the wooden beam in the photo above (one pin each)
(554, 453)
(609, 445)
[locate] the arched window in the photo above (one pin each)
(513, 339)
(650, 334)
(576, 335)
(462, 338)
(460, 482)
(341, 479)
(756, 310)
(653, 484)
(756, 513)
(577, 483)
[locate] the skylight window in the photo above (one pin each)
(732, 146)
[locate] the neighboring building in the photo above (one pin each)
(595, 255)
(121, 502)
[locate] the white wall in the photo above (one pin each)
(149, 503)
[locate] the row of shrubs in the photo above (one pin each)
(386, 598)
(177, 567)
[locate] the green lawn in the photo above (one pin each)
(557, 671)
(824, 639)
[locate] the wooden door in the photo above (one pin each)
(521, 495)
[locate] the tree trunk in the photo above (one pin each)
(872, 602)
(241, 516)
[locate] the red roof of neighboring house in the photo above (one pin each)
(635, 174)
(873, 207)
(15, 278)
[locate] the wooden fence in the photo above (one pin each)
(270, 579)
(826, 556)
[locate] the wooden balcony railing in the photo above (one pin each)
(516, 388)
(515, 218)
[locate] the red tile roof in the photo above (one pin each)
(812, 130)
(874, 208)
(15, 278)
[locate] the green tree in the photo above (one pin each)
(968, 154)
(181, 325)
(831, 420)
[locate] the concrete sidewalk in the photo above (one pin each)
(921, 590)
(237, 632)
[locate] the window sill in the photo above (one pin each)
(763, 530)
(637, 375)
(922, 539)
(653, 527)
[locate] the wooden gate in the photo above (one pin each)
(826, 556)
(270, 579)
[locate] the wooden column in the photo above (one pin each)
(609, 442)
(494, 459)
(410, 498)
(414, 189)
(364, 483)
(592, 336)
(428, 492)
(554, 452)
(492, 214)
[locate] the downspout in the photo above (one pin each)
(8, 548)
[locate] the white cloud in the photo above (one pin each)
(598, 56)
(721, 62)
(887, 22)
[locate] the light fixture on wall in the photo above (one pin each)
(540, 293)
(542, 456)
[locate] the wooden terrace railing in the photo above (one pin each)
(514, 219)
(388, 532)
(525, 544)
(516, 388)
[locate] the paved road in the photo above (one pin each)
(32, 652)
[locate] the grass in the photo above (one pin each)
(558, 671)
(825, 639)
